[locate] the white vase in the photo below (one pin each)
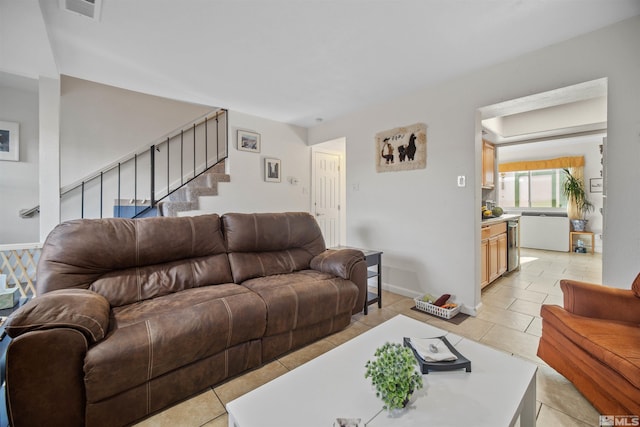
(579, 224)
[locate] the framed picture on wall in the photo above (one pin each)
(272, 170)
(9, 141)
(595, 185)
(248, 141)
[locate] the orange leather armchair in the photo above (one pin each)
(594, 341)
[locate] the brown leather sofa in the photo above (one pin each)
(134, 315)
(594, 341)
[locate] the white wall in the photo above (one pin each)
(587, 146)
(49, 188)
(248, 191)
(19, 180)
(427, 227)
(24, 45)
(99, 124)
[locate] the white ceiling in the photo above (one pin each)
(298, 60)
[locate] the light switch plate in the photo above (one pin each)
(462, 181)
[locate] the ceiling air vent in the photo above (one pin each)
(89, 8)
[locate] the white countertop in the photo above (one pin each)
(503, 218)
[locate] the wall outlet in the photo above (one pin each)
(462, 181)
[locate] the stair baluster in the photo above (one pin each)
(117, 174)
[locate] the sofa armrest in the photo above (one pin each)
(348, 264)
(602, 302)
(79, 309)
(338, 262)
(45, 378)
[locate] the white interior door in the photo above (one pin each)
(326, 195)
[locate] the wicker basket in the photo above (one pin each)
(445, 313)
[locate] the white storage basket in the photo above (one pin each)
(445, 313)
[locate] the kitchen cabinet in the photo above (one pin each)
(493, 253)
(488, 164)
(484, 266)
(502, 254)
(493, 259)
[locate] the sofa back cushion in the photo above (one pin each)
(130, 260)
(265, 244)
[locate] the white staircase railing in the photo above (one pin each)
(149, 174)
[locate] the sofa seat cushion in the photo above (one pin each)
(153, 337)
(615, 344)
(302, 298)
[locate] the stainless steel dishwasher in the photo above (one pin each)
(513, 245)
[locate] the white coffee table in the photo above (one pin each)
(499, 389)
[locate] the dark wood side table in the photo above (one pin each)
(374, 259)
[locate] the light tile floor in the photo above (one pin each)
(508, 320)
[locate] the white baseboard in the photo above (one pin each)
(400, 291)
(470, 310)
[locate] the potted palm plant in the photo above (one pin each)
(573, 190)
(393, 373)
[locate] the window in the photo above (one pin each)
(532, 189)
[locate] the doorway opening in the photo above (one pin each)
(569, 122)
(328, 190)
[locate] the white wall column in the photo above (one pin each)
(49, 110)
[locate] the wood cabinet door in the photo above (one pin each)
(484, 263)
(502, 253)
(493, 259)
(488, 165)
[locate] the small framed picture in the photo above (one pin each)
(9, 141)
(348, 422)
(595, 185)
(248, 141)
(272, 170)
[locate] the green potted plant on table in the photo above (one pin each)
(573, 190)
(393, 374)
